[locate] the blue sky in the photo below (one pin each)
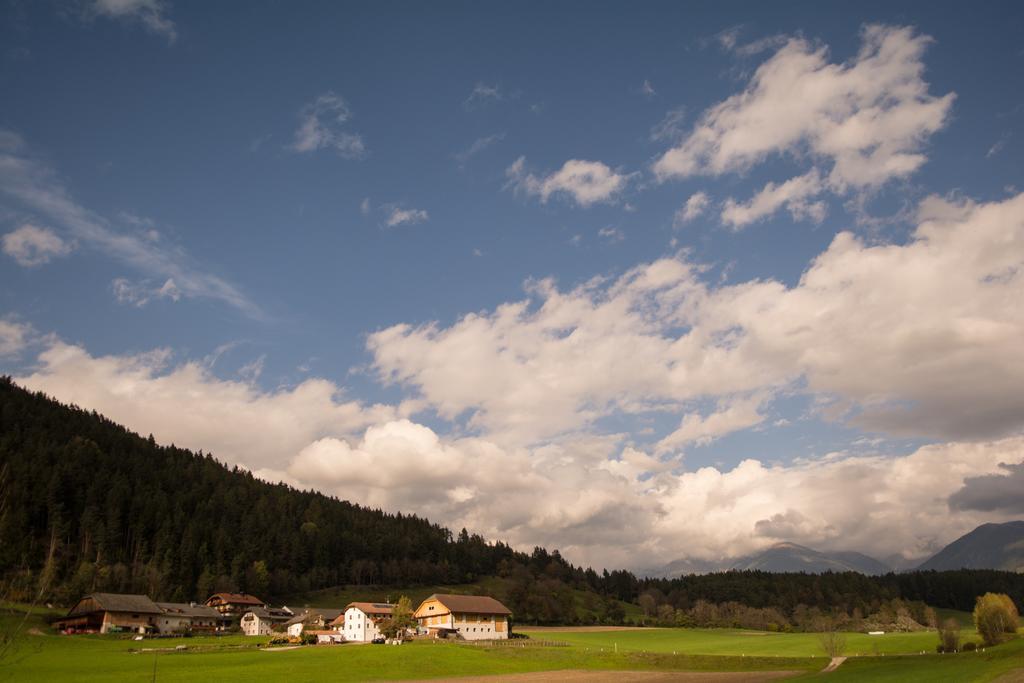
(289, 211)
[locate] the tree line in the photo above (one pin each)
(87, 505)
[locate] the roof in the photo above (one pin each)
(186, 609)
(271, 613)
(118, 602)
(372, 607)
(304, 614)
(470, 604)
(236, 598)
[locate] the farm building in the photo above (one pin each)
(316, 618)
(361, 620)
(186, 616)
(110, 613)
(472, 617)
(233, 605)
(260, 621)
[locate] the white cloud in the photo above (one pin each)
(322, 125)
(647, 90)
(364, 206)
(730, 416)
(187, 405)
(482, 94)
(150, 13)
(598, 501)
(586, 182)
(139, 294)
(861, 327)
(869, 117)
(398, 216)
(794, 194)
(14, 336)
(31, 245)
(693, 207)
(34, 186)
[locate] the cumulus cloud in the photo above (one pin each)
(863, 327)
(398, 216)
(187, 405)
(866, 120)
(647, 90)
(1002, 492)
(611, 235)
(150, 13)
(693, 208)
(585, 182)
(730, 416)
(34, 186)
(31, 245)
(794, 194)
(599, 501)
(322, 125)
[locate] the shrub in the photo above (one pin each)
(970, 646)
(949, 635)
(995, 616)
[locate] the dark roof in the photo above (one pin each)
(186, 609)
(117, 602)
(236, 598)
(304, 614)
(471, 604)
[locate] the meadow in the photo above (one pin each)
(38, 654)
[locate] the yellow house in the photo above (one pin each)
(472, 617)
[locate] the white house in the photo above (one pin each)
(311, 618)
(259, 621)
(471, 617)
(186, 616)
(361, 620)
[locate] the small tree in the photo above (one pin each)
(833, 642)
(949, 635)
(401, 619)
(995, 616)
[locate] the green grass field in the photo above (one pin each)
(40, 655)
(742, 642)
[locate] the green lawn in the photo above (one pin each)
(40, 655)
(743, 642)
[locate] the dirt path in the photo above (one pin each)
(834, 664)
(575, 676)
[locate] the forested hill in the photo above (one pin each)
(114, 511)
(86, 505)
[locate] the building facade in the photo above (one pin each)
(312, 618)
(260, 621)
(471, 617)
(361, 620)
(111, 613)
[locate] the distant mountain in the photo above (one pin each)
(780, 558)
(790, 557)
(990, 546)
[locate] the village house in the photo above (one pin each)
(361, 620)
(472, 617)
(260, 621)
(327, 637)
(315, 618)
(233, 605)
(111, 613)
(186, 616)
